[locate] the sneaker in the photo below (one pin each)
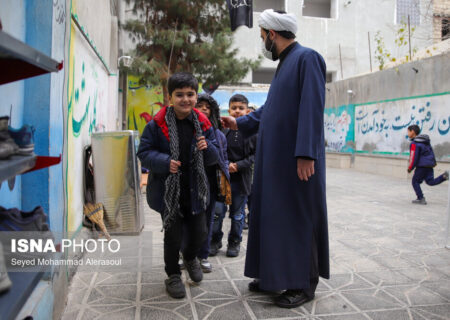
(175, 287)
(214, 248)
(194, 269)
(206, 265)
(5, 282)
(419, 201)
(233, 249)
(24, 138)
(445, 175)
(7, 148)
(16, 220)
(7, 144)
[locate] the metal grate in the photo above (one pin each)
(408, 7)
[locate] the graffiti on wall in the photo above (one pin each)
(88, 111)
(339, 128)
(143, 102)
(382, 126)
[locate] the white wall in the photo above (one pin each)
(350, 29)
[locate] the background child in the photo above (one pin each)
(218, 176)
(421, 157)
(177, 146)
(241, 153)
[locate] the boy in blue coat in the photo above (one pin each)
(421, 157)
(177, 146)
(241, 156)
(218, 176)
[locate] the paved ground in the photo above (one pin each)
(388, 261)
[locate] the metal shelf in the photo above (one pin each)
(16, 165)
(20, 61)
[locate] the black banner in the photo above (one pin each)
(241, 13)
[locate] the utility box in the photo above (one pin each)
(117, 176)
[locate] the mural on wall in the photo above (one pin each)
(381, 127)
(255, 98)
(339, 128)
(87, 112)
(143, 102)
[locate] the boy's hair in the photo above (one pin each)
(182, 80)
(239, 98)
(415, 128)
(285, 34)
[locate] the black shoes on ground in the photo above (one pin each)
(292, 299)
(233, 249)
(288, 299)
(254, 286)
(175, 287)
(194, 269)
(419, 201)
(214, 248)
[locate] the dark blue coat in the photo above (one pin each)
(222, 164)
(421, 153)
(287, 213)
(154, 153)
(223, 157)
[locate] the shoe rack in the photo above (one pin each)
(19, 61)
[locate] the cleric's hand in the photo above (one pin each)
(229, 123)
(305, 168)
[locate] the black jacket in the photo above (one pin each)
(244, 160)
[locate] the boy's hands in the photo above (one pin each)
(305, 168)
(232, 167)
(229, 122)
(173, 168)
(201, 143)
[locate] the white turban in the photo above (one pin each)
(271, 20)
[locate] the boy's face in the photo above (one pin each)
(411, 134)
(237, 109)
(204, 107)
(183, 100)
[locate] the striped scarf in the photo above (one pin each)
(172, 184)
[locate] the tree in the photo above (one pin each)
(184, 35)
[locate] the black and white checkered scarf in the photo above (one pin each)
(172, 184)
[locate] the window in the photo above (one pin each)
(409, 8)
(261, 5)
(445, 31)
(263, 76)
(319, 8)
(331, 76)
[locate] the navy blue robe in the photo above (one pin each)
(287, 213)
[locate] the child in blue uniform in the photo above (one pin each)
(421, 157)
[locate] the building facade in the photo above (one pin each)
(341, 30)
